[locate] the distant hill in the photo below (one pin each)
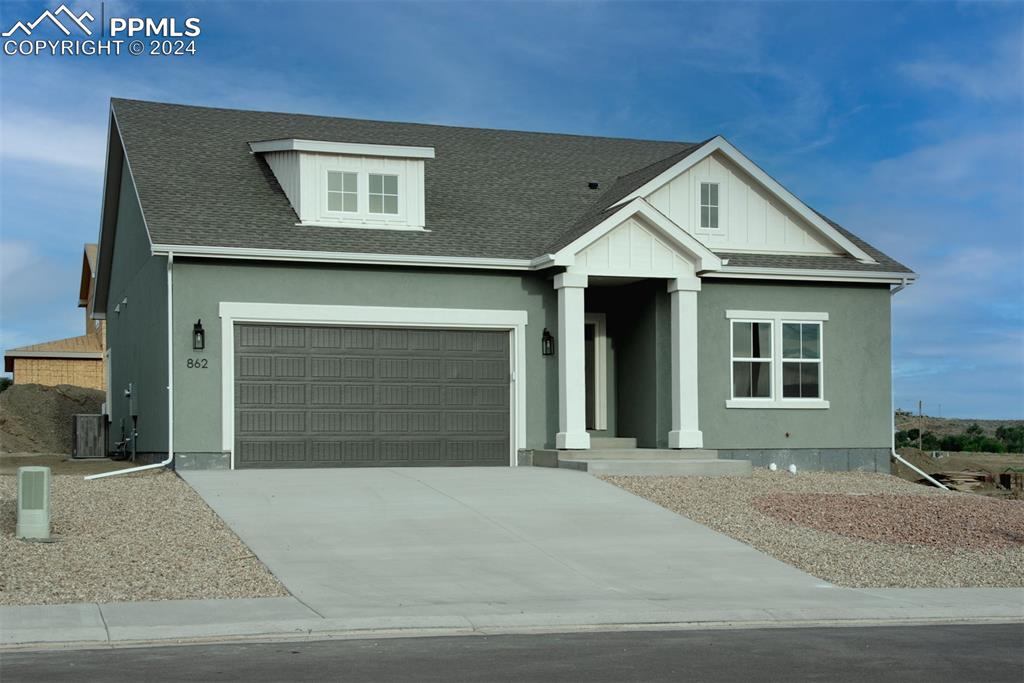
(945, 426)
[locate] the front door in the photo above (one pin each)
(596, 371)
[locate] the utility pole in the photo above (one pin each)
(920, 424)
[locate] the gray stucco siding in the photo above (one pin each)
(856, 368)
(201, 285)
(137, 333)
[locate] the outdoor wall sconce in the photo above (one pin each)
(198, 336)
(547, 343)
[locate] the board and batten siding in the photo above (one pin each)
(749, 218)
(303, 178)
(631, 249)
(285, 166)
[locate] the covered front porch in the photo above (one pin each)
(634, 408)
(627, 343)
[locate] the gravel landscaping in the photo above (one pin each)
(856, 529)
(146, 536)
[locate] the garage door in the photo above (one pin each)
(361, 397)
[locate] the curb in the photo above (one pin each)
(312, 635)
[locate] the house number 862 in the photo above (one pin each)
(196, 363)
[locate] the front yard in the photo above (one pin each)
(856, 529)
(145, 536)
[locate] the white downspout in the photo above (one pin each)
(892, 414)
(170, 385)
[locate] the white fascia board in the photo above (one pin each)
(706, 259)
(813, 275)
(350, 148)
(720, 144)
(342, 257)
(539, 263)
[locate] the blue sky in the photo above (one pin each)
(904, 122)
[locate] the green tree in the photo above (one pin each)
(930, 442)
(953, 442)
(1011, 437)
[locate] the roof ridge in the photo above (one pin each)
(402, 123)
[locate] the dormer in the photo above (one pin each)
(350, 185)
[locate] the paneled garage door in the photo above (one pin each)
(328, 396)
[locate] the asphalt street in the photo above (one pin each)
(891, 653)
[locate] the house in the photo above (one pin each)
(285, 290)
(75, 360)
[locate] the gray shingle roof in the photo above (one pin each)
(490, 193)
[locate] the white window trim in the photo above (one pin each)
(777, 318)
(513, 321)
(760, 359)
(382, 194)
(600, 378)
(362, 217)
(717, 205)
(342, 192)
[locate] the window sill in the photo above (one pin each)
(360, 225)
(768, 404)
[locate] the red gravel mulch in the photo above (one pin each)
(943, 522)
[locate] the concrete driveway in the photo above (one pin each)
(522, 542)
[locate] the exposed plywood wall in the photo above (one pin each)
(750, 218)
(85, 372)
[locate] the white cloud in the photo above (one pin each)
(997, 76)
(33, 136)
(37, 295)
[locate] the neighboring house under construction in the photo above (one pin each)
(76, 360)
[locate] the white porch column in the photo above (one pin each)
(572, 419)
(685, 432)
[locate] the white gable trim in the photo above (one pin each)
(352, 148)
(704, 259)
(720, 144)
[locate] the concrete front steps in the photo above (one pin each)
(620, 456)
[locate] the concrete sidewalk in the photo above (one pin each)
(127, 624)
(480, 550)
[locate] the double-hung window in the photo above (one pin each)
(776, 359)
(709, 205)
(801, 360)
(343, 191)
(751, 359)
(383, 193)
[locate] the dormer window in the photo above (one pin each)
(350, 185)
(342, 191)
(709, 205)
(383, 193)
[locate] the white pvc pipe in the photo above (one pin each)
(170, 386)
(892, 415)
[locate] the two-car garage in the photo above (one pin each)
(364, 396)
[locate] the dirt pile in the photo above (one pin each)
(37, 419)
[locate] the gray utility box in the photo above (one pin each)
(89, 437)
(33, 503)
